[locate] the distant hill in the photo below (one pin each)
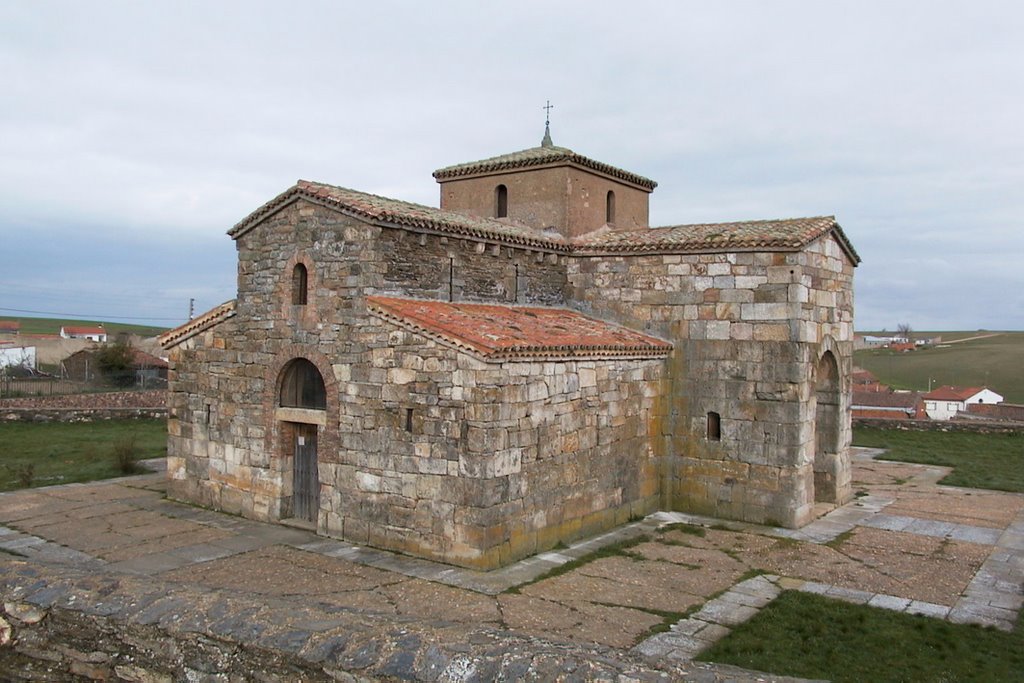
(53, 325)
(983, 358)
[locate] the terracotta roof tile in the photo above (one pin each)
(539, 156)
(951, 393)
(508, 332)
(788, 234)
(383, 210)
(883, 399)
(72, 329)
(9, 326)
(199, 324)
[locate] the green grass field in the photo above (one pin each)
(809, 636)
(53, 325)
(43, 454)
(996, 362)
(982, 461)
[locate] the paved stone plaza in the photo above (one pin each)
(120, 550)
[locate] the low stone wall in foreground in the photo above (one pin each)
(114, 405)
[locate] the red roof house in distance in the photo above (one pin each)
(888, 405)
(96, 334)
(9, 327)
(946, 401)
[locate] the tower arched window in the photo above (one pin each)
(501, 201)
(609, 207)
(303, 386)
(300, 283)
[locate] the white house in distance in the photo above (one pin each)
(96, 334)
(946, 401)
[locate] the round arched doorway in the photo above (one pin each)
(302, 402)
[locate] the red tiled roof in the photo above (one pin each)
(9, 326)
(881, 399)
(172, 338)
(505, 332)
(791, 234)
(394, 212)
(539, 156)
(951, 393)
(71, 329)
(788, 234)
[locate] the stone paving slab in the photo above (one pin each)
(583, 606)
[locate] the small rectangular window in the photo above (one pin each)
(408, 419)
(714, 427)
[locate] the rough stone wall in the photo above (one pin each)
(448, 269)
(749, 330)
(553, 197)
(478, 463)
(458, 484)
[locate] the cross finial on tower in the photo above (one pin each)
(546, 142)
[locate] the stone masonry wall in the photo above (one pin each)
(478, 463)
(560, 196)
(446, 269)
(748, 330)
(456, 474)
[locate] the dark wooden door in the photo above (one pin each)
(306, 482)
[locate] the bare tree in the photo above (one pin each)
(905, 331)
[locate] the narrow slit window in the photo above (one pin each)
(408, 419)
(714, 427)
(501, 201)
(609, 208)
(299, 285)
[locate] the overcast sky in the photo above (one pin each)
(133, 135)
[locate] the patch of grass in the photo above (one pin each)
(785, 542)
(620, 549)
(809, 636)
(839, 540)
(984, 461)
(683, 528)
(126, 456)
(53, 325)
(992, 361)
(60, 453)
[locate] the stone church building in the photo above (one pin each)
(529, 364)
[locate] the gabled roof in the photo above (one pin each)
(788, 234)
(517, 332)
(71, 329)
(885, 399)
(394, 212)
(951, 393)
(539, 156)
(199, 324)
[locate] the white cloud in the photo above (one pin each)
(164, 124)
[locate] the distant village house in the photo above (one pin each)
(946, 401)
(96, 334)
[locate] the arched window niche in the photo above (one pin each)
(501, 202)
(302, 386)
(300, 285)
(609, 208)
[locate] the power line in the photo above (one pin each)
(83, 315)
